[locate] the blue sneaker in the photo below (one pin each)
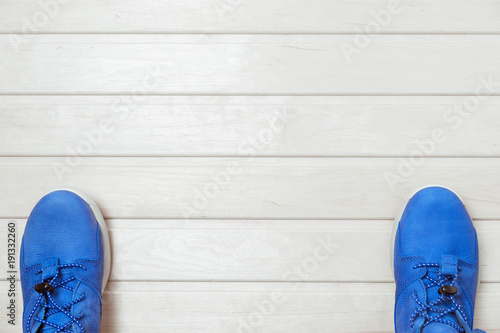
(435, 261)
(65, 264)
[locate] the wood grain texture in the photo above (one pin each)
(249, 64)
(262, 250)
(242, 16)
(284, 188)
(243, 307)
(259, 188)
(212, 213)
(229, 125)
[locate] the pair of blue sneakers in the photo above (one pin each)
(65, 264)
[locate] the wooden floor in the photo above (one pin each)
(250, 156)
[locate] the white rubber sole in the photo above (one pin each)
(102, 226)
(400, 214)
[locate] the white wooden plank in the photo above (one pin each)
(231, 307)
(248, 64)
(261, 250)
(303, 308)
(257, 16)
(226, 126)
(307, 188)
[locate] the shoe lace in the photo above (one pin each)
(447, 292)
(46, 290)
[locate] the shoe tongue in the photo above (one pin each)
(438, 328)
(49, 330)
(432, 295)
(61, 297)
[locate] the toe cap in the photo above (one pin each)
(61, 225)
(436, 222)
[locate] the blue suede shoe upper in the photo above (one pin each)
(435, 246)
(62, 246)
